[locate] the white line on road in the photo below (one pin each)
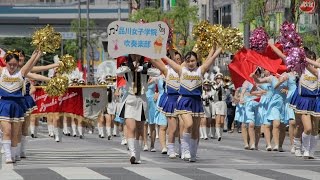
(233, 174)
(9, 174)
(300, 173)
(156, 173)
(142, 157)
(78, 173)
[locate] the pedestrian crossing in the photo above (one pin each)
(154, 173)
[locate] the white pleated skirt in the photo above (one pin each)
(134, 107)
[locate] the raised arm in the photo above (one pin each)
(282, 79)
(277, 51)
(313, 70)
(210, 60)
(32, 61)
(176, 67)
(314, 63)
(260, 80)
(38, 77)
(36, 69)
(160, 65)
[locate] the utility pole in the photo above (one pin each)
(211, 12)
(79, 35)
(246, 26)
(89, 58)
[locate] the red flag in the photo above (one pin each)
(82, 69)
(240, 68)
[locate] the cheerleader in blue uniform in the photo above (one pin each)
(151, 118)
(160, 118)
(29, 101)
(189, 105)
(310, 125)
(134, 106)
(12, 102)
(168, 100)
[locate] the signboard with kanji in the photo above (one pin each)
(146, 39)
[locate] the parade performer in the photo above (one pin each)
(12, 101)
(189, 105)
(134, 106)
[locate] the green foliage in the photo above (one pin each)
(311, 40)
(147, 14)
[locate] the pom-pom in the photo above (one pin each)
(259, 40)
(207, 37)
(67, 64)
(296, 60)
(289, 38)
(231, 39)
(57, 86)
(46, 39)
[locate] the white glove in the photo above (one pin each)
(139, 69)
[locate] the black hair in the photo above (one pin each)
(10, 56)
(175, 52)
(310, 54)
(20, 51)
(189, 54)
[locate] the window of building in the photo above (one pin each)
(226, 15)
(204, 12)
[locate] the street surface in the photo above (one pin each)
(95, 158)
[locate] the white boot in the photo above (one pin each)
(137, 146)
(306, 145)
(297, 147)
(132, 150)
(23, 147)
(186, 139)
(313, 145)
(123, 139)
(193, 150)
(101, 133)
(56, 134)
(201, 132)
(7, 150)
(204, 132)
(65, 128)
(36, 131)
(74, 130)
(218, 133)
(171, 151)
(32, 131)
(115, 131)
(182, 147)
(18, 151)
(51, 129)
(80, 131)
(13, 153)
(108, 130)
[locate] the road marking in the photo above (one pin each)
(300, 173)
(78, 173)
(9, 174)
(142, 157)
(156, 173)
(233, 174)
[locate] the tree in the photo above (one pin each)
(183, 14)
(147, 14)
(71, 46)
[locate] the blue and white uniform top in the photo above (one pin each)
(190, 82)
(11, 85)
(308, 85)
(172, 82)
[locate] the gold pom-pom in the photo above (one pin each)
(207, 36)
(67, 64)
(231, 39)
(46, 39)
(57, 86)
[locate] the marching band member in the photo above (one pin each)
(111, 107)
(220, 105)
(134, 107)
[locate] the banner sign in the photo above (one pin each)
(85, 102)
(148, 39)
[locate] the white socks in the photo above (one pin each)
(50, 130)
(18, 152)
(80, 131)
(32, 129)
(101, 133)
(137, 146)
(13, 153)
(108, 130)
(23, 146)
(56, 133)
(306, 142)
(7, 149)
(193, 149)
(313, 144)
(171, 150)
(74, 129)
(131, 146)
(186, 145)
(201, 133)
(204, 132)
(115, 130)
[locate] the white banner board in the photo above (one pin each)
(149, 39)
